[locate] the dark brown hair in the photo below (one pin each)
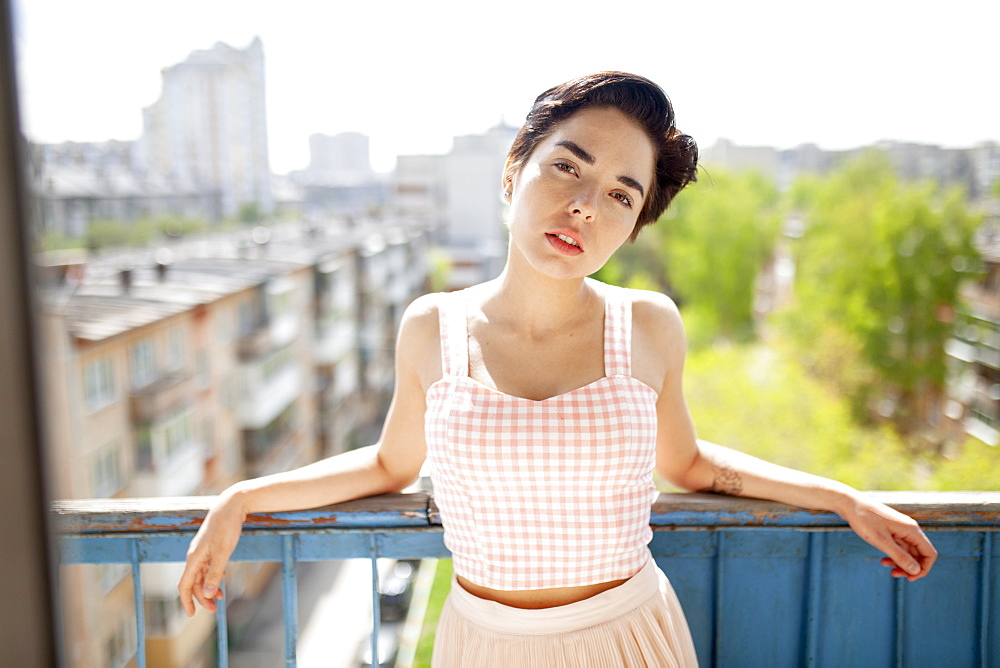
(638, 98)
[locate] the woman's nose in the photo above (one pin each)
(584, 203)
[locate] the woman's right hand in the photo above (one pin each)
(209, 553)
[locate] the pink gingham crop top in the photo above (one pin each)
(539, 494)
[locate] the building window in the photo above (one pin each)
(159, 443)
(250, 314)
(224, 325)
(276, 363)
(259, 443)
(142, 370)
(178, 433)
(175, 349)
(107, 471)
(99, 385)
(204, 370)
(144, 448)
(230, 393)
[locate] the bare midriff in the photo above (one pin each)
(536, 599)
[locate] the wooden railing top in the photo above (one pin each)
(417, 511)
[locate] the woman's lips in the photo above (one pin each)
(562, 246)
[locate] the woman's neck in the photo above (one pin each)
(535, 303)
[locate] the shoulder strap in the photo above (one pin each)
(454, 334)
(617, 332)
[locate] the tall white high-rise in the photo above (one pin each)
(208, 130)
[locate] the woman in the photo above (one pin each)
(544, 400)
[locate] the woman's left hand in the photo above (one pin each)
(910, 553)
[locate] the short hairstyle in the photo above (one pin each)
(637, 98)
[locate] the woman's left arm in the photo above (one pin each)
(714, 468)
(697, 465)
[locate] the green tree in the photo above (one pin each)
(758, 399)
(179, 226)
(103, 234)
(250, 213)
(706, 252)
(878, 273)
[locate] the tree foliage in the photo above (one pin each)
(878, 271)
(758, 399)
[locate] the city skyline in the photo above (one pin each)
(892, 71)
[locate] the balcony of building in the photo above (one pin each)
(762, 584)
(336, 338)
(170, 458)
(162, 395)
(269, 385)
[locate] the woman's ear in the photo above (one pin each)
(507, 181)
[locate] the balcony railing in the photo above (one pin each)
(762, 584)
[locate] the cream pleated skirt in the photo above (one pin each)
(638, 623)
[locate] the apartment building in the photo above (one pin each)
(180, 375)
(209, 126)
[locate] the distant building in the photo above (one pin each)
(182, 372)
(202, 155)
(339, 180)
(459, 195)
(209, 126)
(974, 169)
(79, 183)
(342, 158)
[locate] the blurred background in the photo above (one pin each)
(232, 204)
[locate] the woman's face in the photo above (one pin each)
(577, 197)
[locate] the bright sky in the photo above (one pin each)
(412, 75)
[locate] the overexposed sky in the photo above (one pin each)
(411, 75)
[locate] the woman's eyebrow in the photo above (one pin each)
(576, 150)
(632, 183)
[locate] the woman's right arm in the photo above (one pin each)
(388, 466)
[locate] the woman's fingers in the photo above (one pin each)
(208, 555)
(899, 556)
(190, 583)
(211, 588)
(909, 552)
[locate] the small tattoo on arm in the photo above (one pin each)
(727, 480)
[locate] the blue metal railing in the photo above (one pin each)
(761, 583)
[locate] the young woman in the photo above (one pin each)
(544, 400)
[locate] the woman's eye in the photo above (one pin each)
(623, 198)
(566, 167)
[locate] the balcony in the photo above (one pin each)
(335, 340)
(182, 472)
(162, 395)
(267, 393)
(763, 584)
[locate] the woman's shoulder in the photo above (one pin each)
(651, 309)
(419, 342)
(422, 315)
(657, 329)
